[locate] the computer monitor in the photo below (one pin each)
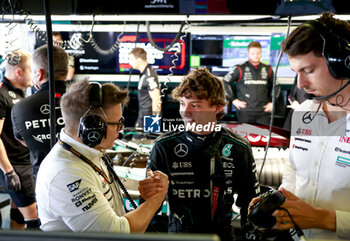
(219, 53)
(89, 61)
(235, 50)
(92, 62)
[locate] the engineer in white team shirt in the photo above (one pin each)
(74, 189)
(316, 181)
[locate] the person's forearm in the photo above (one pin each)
(156, 107)
(5, 164)
(70, 74)
(156, 101)
(140, 218)
(326, 219)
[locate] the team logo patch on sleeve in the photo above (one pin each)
(74, 185)
(226, 151)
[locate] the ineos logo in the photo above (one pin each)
(93, 136)
(308, 117)
(347, 62)
(45, 109)
(181, 150)
(75, 41)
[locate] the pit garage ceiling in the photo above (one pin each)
(266, 7)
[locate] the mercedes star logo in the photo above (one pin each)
(45, 109)
(308, 117)
(181, 150)
(12, 94)
(93, 136)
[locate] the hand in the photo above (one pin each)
(12, 181)
(293, 105)
(239, 104)
(303, 214)
(253, 202)
(156, 182)
(268, 107)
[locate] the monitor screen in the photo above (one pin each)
(207, 51)
(92, 58)
(160, 61)
(219, 53)
(235, 50)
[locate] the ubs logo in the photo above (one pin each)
(304, 131)
(182, 165)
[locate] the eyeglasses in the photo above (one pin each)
(120, 123)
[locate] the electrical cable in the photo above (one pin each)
(41, 34)
(173, 61)
(126, 161)
(273, 101)
(91, 30)
(149, 35)
(11, 56)
(109, 163)
(297, 230)
(109, 51)
(131, 69)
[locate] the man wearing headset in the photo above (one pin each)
(316, 181)
(74, 189)
(16, 174)
(206, 165)
(31, 116)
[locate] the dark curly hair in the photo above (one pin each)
(200, 83)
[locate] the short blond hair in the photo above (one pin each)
(75, 102)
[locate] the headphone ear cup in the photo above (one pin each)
(92, 129)
(337, 54)
(13, 58)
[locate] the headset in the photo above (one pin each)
(13, 58)
(92, 129)
(336, 50)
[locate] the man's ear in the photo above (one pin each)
(40, 74)
(219, 109)
(18, 72)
